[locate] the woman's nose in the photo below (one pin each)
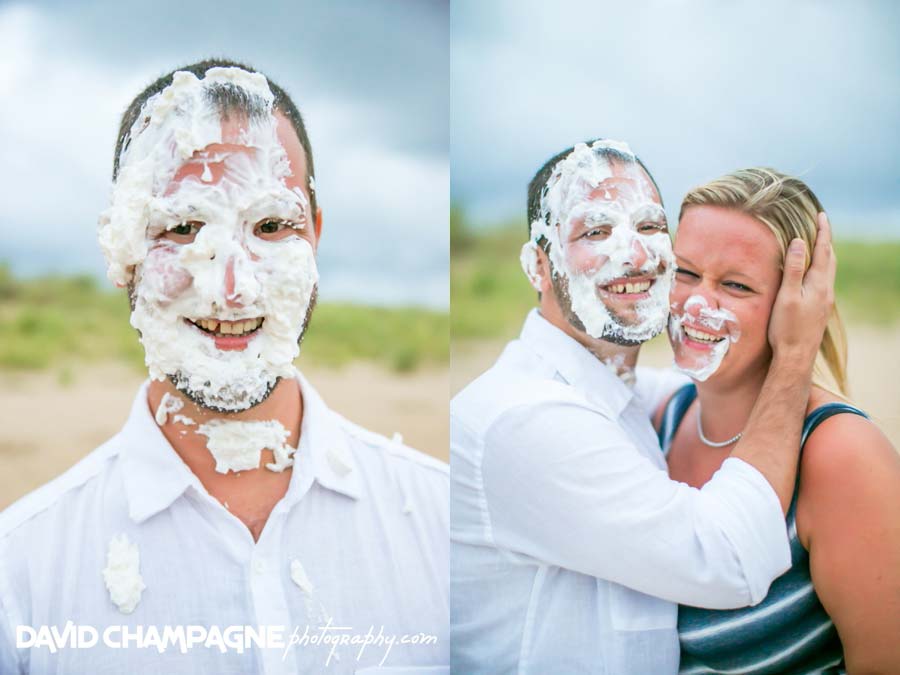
(700, 300)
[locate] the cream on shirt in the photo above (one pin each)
(365, 517)
(570, 546)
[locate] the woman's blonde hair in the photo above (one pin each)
(789, 209)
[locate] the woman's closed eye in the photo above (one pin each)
(738, 286)
(680, 271)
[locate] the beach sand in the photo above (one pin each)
(50, 419)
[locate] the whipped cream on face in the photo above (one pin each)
(695, 321)
(179, 287)
(568, 198)
(122, 574)
(237, 446)
(168, 404)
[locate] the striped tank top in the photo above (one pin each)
(789, 632)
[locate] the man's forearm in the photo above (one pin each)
(771, 440)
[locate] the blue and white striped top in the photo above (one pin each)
(789, 632)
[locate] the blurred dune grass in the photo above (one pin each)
(51, 321)
(489, 294)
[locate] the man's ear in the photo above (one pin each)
(544, 271)
(318, 225)
(130, 271)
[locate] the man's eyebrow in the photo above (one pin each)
(679, 258)
(597, 212)
(654, 209)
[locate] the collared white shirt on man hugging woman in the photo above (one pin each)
(366, 518)
(569, 544)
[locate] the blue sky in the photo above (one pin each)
(369, 76)
(698, 88)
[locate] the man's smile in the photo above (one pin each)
(228, 335)
(628, 288)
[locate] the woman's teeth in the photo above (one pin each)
(637, 287)
(701, 336)
(218, 327)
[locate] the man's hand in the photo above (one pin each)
(804, 302)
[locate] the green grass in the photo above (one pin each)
(490, 295)
(52, 321)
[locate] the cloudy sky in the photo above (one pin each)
(370, 77)
(697, 88)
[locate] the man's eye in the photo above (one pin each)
(601, 232)
(738, 286)
(649, 227)
(272, 226)
(186, 228)
(686, 273)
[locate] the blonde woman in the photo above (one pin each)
(838, 607)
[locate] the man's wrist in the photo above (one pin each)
(796, 359)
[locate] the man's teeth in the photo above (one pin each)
(701, 336)
(229, 327)
(637, 287)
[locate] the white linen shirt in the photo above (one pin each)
(365, 517)
(570, 546)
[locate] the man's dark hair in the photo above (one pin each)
(538, 184)
(227, 99)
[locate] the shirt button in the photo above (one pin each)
(259, 567)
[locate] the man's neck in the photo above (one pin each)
(619, 358)
(251, 494)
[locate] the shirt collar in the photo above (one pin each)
(575, 363)
(153, 473)
(325, 441)
(155, 476)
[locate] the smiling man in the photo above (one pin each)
(233, 497)
(569, 544)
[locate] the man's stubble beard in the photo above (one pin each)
(611, 331)
(179, 380)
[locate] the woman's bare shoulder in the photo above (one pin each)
(844, 456)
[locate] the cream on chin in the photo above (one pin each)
(229, 379)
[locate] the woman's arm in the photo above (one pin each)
(848, 518)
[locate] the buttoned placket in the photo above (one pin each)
(266, 568)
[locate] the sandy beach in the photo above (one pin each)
(50, 421)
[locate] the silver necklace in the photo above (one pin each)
(710, 443)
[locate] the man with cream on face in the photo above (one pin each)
(570, 546)
(233, 496)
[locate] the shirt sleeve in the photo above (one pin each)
(9, 659)
(565, 485)
(654, 386)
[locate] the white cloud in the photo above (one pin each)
(697, 88)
